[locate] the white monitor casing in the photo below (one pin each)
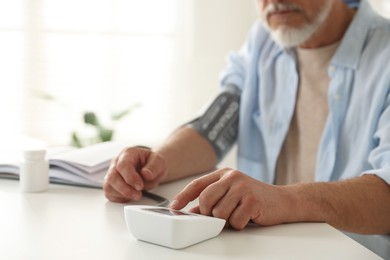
(174, 229)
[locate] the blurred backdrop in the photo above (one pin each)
(60, 59)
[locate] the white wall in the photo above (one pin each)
(208, 31)
(214, 28)
(110, 56)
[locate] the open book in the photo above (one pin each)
(75, 166)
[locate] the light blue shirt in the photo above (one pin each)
(356, 137)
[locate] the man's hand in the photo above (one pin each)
(134, 170)
(238, 198)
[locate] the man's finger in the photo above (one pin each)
(193, 189)
(114, 183)
(195, 210)
(154, 168)
(129, 174)
(239, 218)
(225, 204)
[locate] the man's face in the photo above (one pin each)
(291, 22)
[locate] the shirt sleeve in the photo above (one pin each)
(379, 157)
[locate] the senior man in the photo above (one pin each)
(307, 99)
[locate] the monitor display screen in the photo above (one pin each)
(169, 212)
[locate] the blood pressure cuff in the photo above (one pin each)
(219, 123)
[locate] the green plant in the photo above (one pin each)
(103, 133)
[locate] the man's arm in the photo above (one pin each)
(360, 205)
(186, 153)
(191, 149)
(197, 147)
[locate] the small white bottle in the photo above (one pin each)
(34, 171)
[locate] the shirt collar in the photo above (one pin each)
(352, 44)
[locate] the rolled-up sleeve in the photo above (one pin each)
(379, 157)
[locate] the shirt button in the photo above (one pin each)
(337, 97)
(277, 126)
(331, 70)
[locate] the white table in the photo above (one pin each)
(79, 223)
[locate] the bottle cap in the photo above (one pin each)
(34, 154)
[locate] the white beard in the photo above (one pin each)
(287, 36)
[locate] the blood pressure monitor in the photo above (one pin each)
(171, 228)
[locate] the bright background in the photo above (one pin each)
(106, 55)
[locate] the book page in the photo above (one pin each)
(89, 159)
(58, 175)
(86, 166)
